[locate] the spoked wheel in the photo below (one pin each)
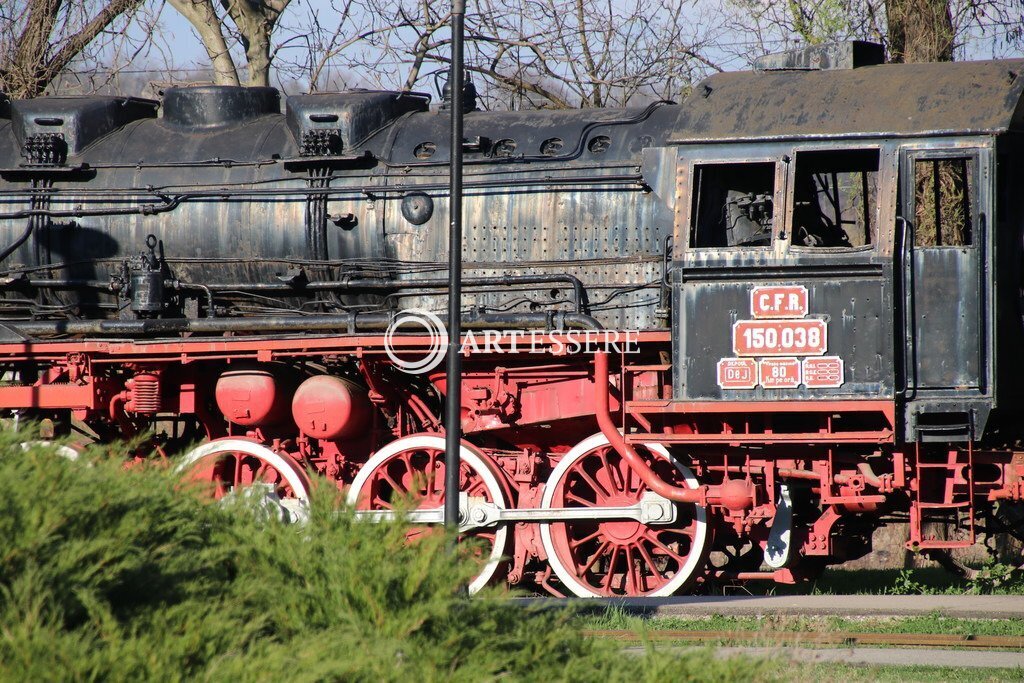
(413, 467)
(231, 468)
(63, 450)
(619, 558)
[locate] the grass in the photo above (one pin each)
(617, 619)
(919, 581)
(121, 575)
(115, 575)
(916, 581)
(815, 673)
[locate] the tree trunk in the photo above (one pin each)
(255, 23)
(24, 74)
(207, 24)
(257, 54)
(919, 30)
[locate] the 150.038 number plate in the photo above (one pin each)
(806, 337)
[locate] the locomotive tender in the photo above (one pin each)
(818, 262)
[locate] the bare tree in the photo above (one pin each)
(920, 30)
(252, 22)
(524, 53)
(807, 21)
(589, 53)
(561, 53)
(40, 39)
(934, 30)
(556, 50)
(204, 19)
(911, 30)
(335, 46)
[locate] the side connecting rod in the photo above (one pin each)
(477, 512)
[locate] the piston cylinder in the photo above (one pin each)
(331, 408)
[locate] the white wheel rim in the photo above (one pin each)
(471, 457)
(62, 450)
(284, 466)
(568, 577)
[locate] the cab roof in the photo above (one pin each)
(887, 100)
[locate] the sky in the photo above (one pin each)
(179, 45)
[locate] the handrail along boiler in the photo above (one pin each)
(817, 264)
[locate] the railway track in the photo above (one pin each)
(824, 605)
(805, 638)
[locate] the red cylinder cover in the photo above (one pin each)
(331, 408)
(251, 398)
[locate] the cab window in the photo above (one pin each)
(943, 192)
(835, 198)
(732, 205)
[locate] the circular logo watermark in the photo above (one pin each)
(416, 322)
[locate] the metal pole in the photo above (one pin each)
(453, 410)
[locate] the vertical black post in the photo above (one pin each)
(453, 410)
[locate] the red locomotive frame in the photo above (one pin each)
(527, 414)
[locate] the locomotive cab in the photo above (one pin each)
(837, 247)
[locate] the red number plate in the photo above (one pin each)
(780, 373)
(778, 301)
(779, 338)
(737, 373)
(825, 372)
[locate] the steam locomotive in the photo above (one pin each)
(761, 323)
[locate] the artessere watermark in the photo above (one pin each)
(417, 325)
(414, 321)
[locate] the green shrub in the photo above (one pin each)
(118, 574)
